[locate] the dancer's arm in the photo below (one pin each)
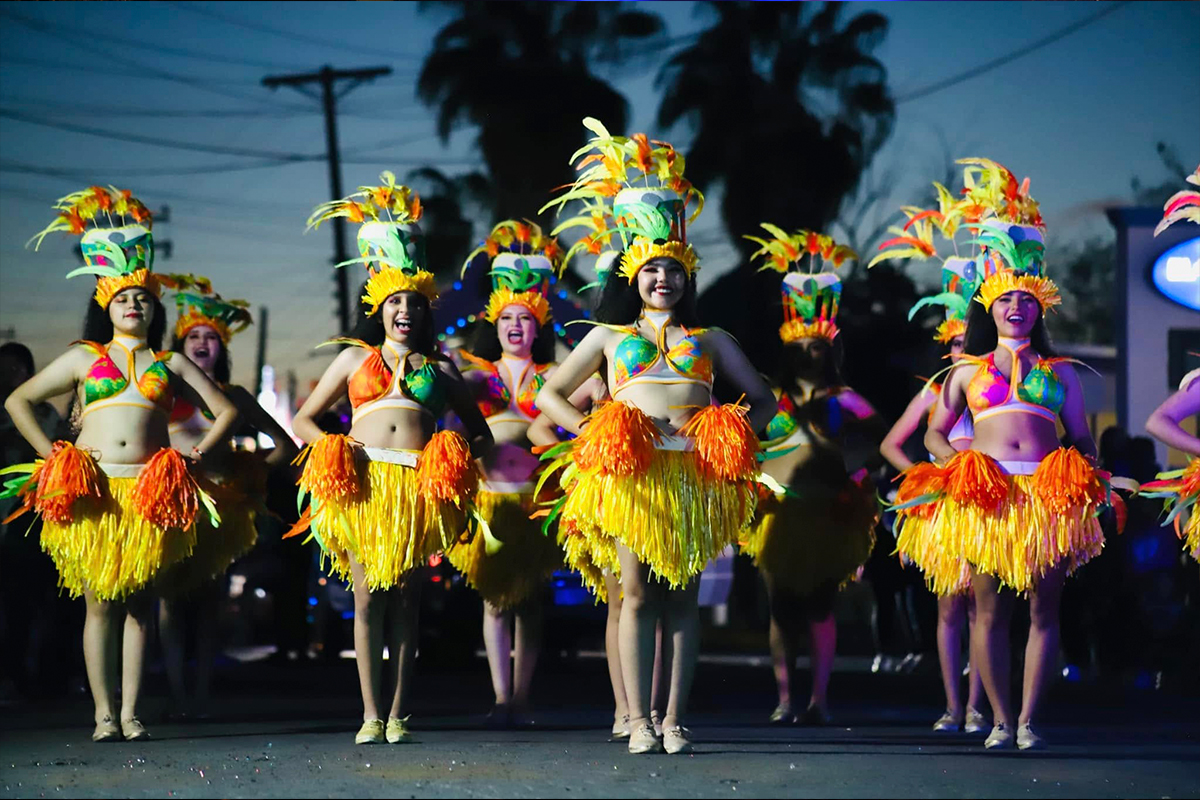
(1073, 413)
(261, 420)
(951, 404)
(330, 389)
(892, 447)
(1164, 423)
(462, 403)
(543, 432)
(732, 363)
(59, 377)
(225, 414)
(555, 397)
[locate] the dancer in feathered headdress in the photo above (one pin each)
(511, 356)
(237, 479)
(1016, 505)
(1180, 489)
(660, 480)
(393, 492)
(816, 528)
(113, 525)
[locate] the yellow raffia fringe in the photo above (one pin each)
(725, 443)
(591, 557)
(670, 516)
(330, 472)
(217, 548)
(918, 538)
(446, 470)
(389, 526)
(108, 547)
(824, 534)
(522, 566)
(166, 494)
(1024, 536)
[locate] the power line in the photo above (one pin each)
(157, 142)
(107, 70)
(297, 37)
(988, 66)
(77, 109)
(91, 174)
(46, 26)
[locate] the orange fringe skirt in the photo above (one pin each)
(821, 534)
(676, 502)
(1015, 527)
(1181, 490)
(526, 561)
(389, 510)
(112, 528)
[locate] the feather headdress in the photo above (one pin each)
(390, 242)
(117, 245)
(202, 306)
(524, 262)
(811, 287)
(1183, 205)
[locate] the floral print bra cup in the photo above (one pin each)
(106, 385)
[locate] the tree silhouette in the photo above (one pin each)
(519, 73)
(788, 108)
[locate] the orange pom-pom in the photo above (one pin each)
(725, 443)
(975, 479)
(924, 477)
(67, 475)
(166, 494)
(446, 471)
(330, 472)
(1065, 481)
(619, 440)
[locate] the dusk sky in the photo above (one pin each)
(1080, 117)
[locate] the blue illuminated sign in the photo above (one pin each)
(1176, 274)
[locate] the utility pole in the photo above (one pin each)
(327, 77)
(261, 360)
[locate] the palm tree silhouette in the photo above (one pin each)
(788, 108)
(519, 72)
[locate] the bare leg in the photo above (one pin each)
(974, 681)
(951, 613)
(664, 654)
(369, 608)
(681, 627)
(823, 647)
(993, 615)
(784, 638)
(528, 645)
(497, 640)
(612, 646)
(101, 653)
(139, 615)
(640, 613)
(171, 633)
(405, 606)
(1041, 652)
(207, 632)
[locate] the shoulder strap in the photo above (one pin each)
(478, 363)
(350, 341)
(96, 347)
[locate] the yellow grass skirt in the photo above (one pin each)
(389, 509)
(675, 502)
(1181, 490)
(108, 547)
(821, 535)
(520, 568)
(592, 558)
(1013, 527)
(216, 548)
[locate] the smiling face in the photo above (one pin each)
(132, 311)
(516, 328)
(403, 313)
(661, 283)
(1015, 314)
(203, 346)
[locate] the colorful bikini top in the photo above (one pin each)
(637, 359)
(374, 386)
(1040, 392)
(106, 385)
(496, 401)
(964, 427)
(791, 426)
(188, 417)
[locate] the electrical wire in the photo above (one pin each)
(82, 109)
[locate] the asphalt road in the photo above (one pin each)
(288, 731)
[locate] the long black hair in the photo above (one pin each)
(98, 327)
(620, 303)
(221, 369)
(982, 337)
(485, 342)
(421, 340)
